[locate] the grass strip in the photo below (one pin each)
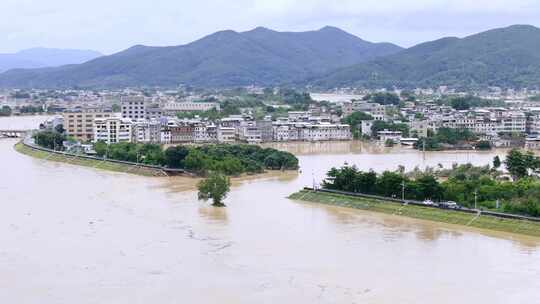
(418, 212)
(91, 163)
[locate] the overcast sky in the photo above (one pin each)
(113, 25)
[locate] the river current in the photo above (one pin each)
(78, 235)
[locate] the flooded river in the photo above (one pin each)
(77, 235)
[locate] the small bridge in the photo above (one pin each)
(12, 133)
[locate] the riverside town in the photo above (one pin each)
(487, 119)
(264, 151)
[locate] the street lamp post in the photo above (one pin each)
(403, 190)
(313, 176)
(475, 199)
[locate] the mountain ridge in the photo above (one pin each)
(505, 57)
(225, 58)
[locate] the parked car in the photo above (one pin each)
(449, 205)
(428, 202)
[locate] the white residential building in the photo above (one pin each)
(53, 122)
(188, 106)
(147, 132)
(366, 127)
(325, 132)
(420, 127)
(394, 136)
(203, 133)
(250, 134)
(286, 132)
(377, 111)
(226, 135)
(532, 143)
(112, 130)
(311, 132)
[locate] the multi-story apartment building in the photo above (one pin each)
(250, 134)
(232, 121)
(487, 123)
(182, 133)
(80, 124)
(420, 127)
(394, 136)
(187, 106)
(513, 122)
(286, 133)
(153, 112)
(311, 132)
(325, 132)
(266, 129)
(53, 122)
(347, 108)
(204, 133)
(165, 135)
(133, 107)
(226, 135)
(377, 111)
(533, 124)
(366, 127)
(297, 115)
(112, 130)
(485, 126)
(147, 132)
(212, 131)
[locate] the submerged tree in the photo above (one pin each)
(215, 187)
(497, 162)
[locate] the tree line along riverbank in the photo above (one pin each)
(514, 191)
(227, 159)
(475, 220)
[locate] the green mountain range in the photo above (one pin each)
(506, 57)
(227, 58)
(326, 58)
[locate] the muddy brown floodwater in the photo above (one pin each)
(77, 235)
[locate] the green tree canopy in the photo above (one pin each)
(380, 125)
(50, 139)
(215, 187)
(354, 120)
(383, 98)
(519, 163)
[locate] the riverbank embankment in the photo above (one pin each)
(88, 162)
(476, 220)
